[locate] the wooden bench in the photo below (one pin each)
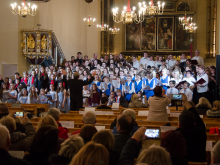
(40, 107)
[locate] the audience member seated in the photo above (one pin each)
(88, 118)
(5, 157)
(124, 125)
(19, 141)
(174, 142)
(87, 132)
(215, 154)
(106, 138)
(193, 129)
(44, 145)
(130, 112)
(69, 148)
(215, 111)
(137, 103)
(91, 154)
(104, 101)
(203, 106)
(4, 112)
(119, 98)
(158, 103)
(55, 113)
(47, 120)
(154, 155)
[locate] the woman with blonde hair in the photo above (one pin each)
(47, 120)
(215, 111)
(137, 103)
(154, 155)
(69, 148)
(106, 138)
(91, 154)
(176, 76)
(203, 106)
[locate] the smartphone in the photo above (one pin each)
(177, 97)
(19, 114)
(153, 133)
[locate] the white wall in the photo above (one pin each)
(65, 18)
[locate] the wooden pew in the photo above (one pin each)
(31, 109)
(40, 107)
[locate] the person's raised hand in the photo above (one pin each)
(163, 92)
(25, 118)
(184, 98)
(139, 135)
(12, 113)
(94, 73)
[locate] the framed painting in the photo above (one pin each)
(165, 33)
(182, 39)
(148, 34)
(132, 37)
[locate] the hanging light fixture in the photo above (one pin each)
(126, 16)
(152, 10)
(114, 31)
(185, 21)
(191, 28)
(102, 27)
(90, 21)
(24, 9)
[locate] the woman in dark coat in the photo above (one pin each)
(41, 80)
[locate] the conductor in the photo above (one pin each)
(76, 87)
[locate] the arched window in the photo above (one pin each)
(183, 6)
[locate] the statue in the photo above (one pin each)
(44, 42)
(31, 42)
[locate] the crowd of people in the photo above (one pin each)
(50, 143)
(114, 77)
(91, 82)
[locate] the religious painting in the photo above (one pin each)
(132, 37)
(148, 34)
(165, 33)
(182, 39)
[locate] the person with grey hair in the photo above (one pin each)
(76, 88)
(131, 113)
(19, 141)
(199, 59)
(55, 113)
(88, 118)
(215, 154)
(5, 157)
(69, 148)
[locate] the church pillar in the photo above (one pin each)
(218, 44)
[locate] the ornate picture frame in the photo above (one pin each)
(133, 37)
(165, 33)
(148, 34)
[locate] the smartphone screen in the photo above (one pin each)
(177, 97)
(152, 133)
(19, 114)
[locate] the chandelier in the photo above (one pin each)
(184, 21)
(89, 22)
(152, 10)
(24, 10)
(191, 28)
(128, 16)
(114, 31)
(102, 27)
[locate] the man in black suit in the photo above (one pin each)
(104, 101)
(188, 63)
(76, 88)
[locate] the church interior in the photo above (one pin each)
(65, 21)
